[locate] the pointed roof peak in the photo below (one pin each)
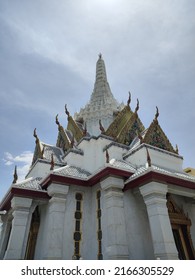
(100, 56)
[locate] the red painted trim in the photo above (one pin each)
(157, 177)
(58, 179)
(6, 203)
(54, 178)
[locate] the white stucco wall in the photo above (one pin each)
(137, 224)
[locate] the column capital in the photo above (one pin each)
(58, 191)
(154, 188)
(21, 203)
(112, 182)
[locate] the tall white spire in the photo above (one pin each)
(102, 104)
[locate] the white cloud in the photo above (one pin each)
(22, 161)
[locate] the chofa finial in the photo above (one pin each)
(35, 135)
(129, 99)
(148, 158)
(157, 113)
(137, 107)
(101, 127)
(66, 111)
(15, 175)
(57, 121)
(107, 156)
(52, 162)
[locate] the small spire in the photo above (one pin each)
(35, 134)
(177, 149)
(137, 107)
(15, 175)
(107, 156)
(85, 130)
(100, 56)
(148, 158)
(157, 114)
(129, 100)
(140, 137)
(72, 142)
(42, 152)
(57, 121)
(52, 162)
(101, 127)
(66, 111)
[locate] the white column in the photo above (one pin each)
(56, 213)
(154, 195)
(21, 208)
(117, 247)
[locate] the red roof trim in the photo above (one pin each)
(157, 177)
(54, 178)
(6, 203)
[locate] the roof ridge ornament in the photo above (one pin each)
(129, 99)
(137, 107)
(36, 137)
(57, 121)
(140, 137)
(107, 156)
(157, 114)
(52, 163)
(85, 129)
(177, 149)
(15, 175)
(66, 111)
(101, 127)
(148, 158)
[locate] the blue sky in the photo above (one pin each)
(48, 52)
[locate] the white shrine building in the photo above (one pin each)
(109, 189)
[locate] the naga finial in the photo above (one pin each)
(15, 175)
(140, 137)
(101, 127)
(72, 142)
(57, 121)
(137, 107)
(35, 135)
(52, 162)
(107, 156)
(129, 99)
(85, 129)
(148, 158)
(66, 111)
(157, 113)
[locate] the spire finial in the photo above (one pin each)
(72, 142)
(157, 114)
(140, 137)
(52, 162)
(35, 135)
(107, 156)
(101, 127)
(57, 121)
(137, 107)
(15, 175)
(100, 56)
(85, 129)
(66, 111)
(148, 158)
(177, 149)
(129, 99)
